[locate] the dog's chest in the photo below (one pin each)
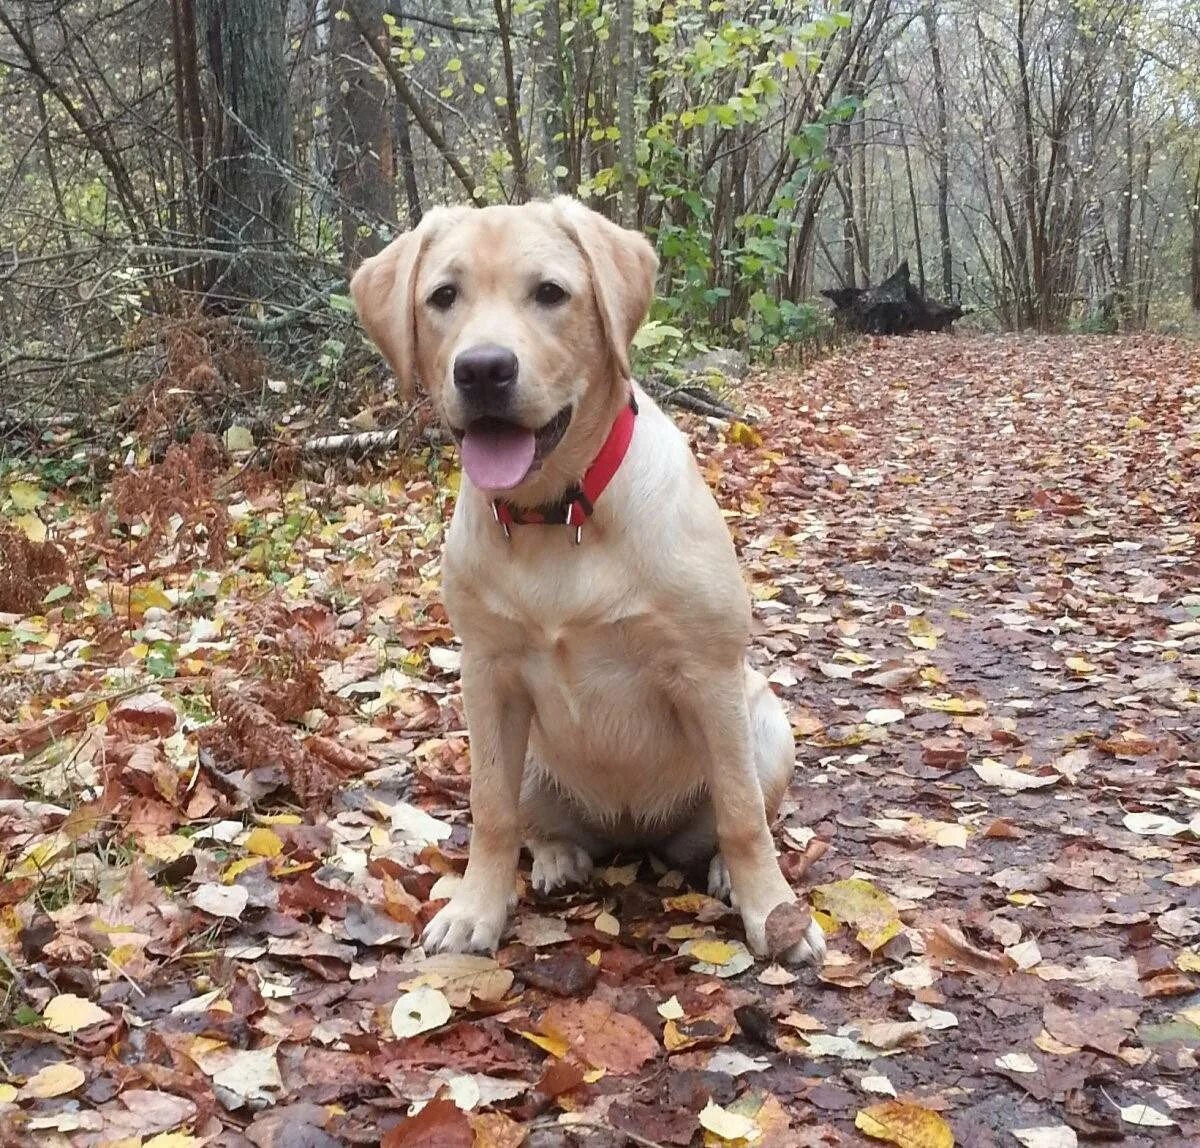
(595, 657)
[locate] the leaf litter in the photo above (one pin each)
(236, 775)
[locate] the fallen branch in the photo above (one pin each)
(357, 444)
(684, 395)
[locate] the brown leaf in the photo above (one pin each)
(601, 1036)
(943, 752)
(947, 946)
(440, 1124)
(787, 925)
(495, 1130)
(1102, 1029)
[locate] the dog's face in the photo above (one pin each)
(517, 320)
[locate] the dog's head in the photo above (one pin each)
(517, 321)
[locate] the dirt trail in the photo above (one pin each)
(974, 563)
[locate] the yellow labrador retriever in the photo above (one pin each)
(587, 569)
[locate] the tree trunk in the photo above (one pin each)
(554, 141)
(1095, 229)
(511, 117)
(1125, 214)
(251, 200)
(943, 148)
(364, 170)
(626, 84)
(1195, 214)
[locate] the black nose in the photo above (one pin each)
(485, 372)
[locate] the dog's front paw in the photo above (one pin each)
(807, 949)
(466, 927)
(559, 863)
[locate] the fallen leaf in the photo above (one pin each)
(1104, 1029)
(419, 1010)
(440, 1124)
(1153, 824)
(1052, 1136)
(671, 1009)
(859, 903)
(1012, 780)
(53, 1080)
(718, 958)
(904, 1124)
(602, 1037)
(948, 946)
(264, 842)
(221, 900)
(787, 925)
(1017, 1062)
(1143, 1116)
(878, 1084)
(68, 1013)
(728, 1125)
(251, 1075)
(495, 1130)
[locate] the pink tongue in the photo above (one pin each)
(497, 455)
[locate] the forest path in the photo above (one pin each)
(976, 585)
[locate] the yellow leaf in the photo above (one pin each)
(280, 819)
(726, 1125)
(828, 925)
(69, 1013)
(25, 495)
(607, 923)
(688, 902)
(264, 843)
(236, 868)
(1188, 962)
(906, 1125)
(554, 1045)
(168, 848)
(40, 857)
(8, 1094)
(31, 526)
(238, 439)
(291, 868)
(954, 705)
(713, 952)
(122, 953)
(922, 634)
(1081, 666)
(53, 1080)
(745, 435)
(857, 902)
(141, 598)
(171, 1140)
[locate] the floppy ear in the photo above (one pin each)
(384, 292)
(623, 265)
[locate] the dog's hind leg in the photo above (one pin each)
(695, 843)
(561, 845)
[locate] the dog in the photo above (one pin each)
(587, 570)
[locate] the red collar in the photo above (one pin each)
(577, 505)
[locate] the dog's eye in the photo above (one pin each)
(549, 294)
(443, 298)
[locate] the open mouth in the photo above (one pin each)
(498, 454)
